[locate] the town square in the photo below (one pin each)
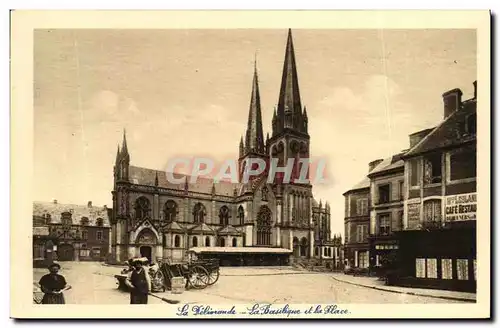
(261, 167)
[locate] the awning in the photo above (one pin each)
(247, 250)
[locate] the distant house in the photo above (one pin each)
(75, 232)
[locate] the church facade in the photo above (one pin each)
(155, 218)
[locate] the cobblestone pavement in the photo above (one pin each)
(93, 283)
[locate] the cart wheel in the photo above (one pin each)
(198, 277)
(213, 276)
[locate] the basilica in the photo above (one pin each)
(155, 218)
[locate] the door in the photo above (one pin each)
(146, 252)
(65, 252)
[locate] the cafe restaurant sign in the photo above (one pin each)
(462, 207)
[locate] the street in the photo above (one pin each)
(93, 283)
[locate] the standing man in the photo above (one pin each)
(139, 283)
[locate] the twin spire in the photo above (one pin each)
(254, 138)
(289, 114)
(123, 153)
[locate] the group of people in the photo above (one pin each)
(139, 282)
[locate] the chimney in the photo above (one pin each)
(105, 207)
(452, 101)
(373, 164)
(89, 204)
(417, 136)
(54, 201)
(475, 89)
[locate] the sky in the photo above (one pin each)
(187, 93)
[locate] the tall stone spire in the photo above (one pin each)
(125, 153)
(289, 104)
(254, 141)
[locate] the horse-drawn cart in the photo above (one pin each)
(197, 274)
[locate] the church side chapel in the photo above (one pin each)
(155, 218)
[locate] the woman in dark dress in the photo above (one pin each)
(139, 283)
(53, 285)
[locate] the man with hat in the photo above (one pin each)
(139, 283)
(53, 285)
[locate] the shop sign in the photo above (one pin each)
(413, 210)
(462, 207)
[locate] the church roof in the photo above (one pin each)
(229, 230)
(41, 209)
(145, 176)
(202, 228)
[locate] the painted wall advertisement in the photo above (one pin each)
(413, 214)
(461, 207)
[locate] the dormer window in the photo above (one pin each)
(84, 221)
(99, 222)
(471, 124)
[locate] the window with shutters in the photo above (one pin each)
(432, 210)
(362, 207)
(384, 224)
(361, 233)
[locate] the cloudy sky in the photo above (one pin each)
(187, 92)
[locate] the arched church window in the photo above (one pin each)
(195, 242)
(241, 215)
(99, 222)
(264, 226)
(207, 241)
(224, 215)
(84, 221)
(264, 194)
(142, 208)
(235, 242)
(177, 241)
(221, 242)
(199, 213)
(170, 211)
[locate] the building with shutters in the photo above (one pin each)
(386, 208)
(438, 242)
(421, 205)
(71, 232)
(155, 218)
